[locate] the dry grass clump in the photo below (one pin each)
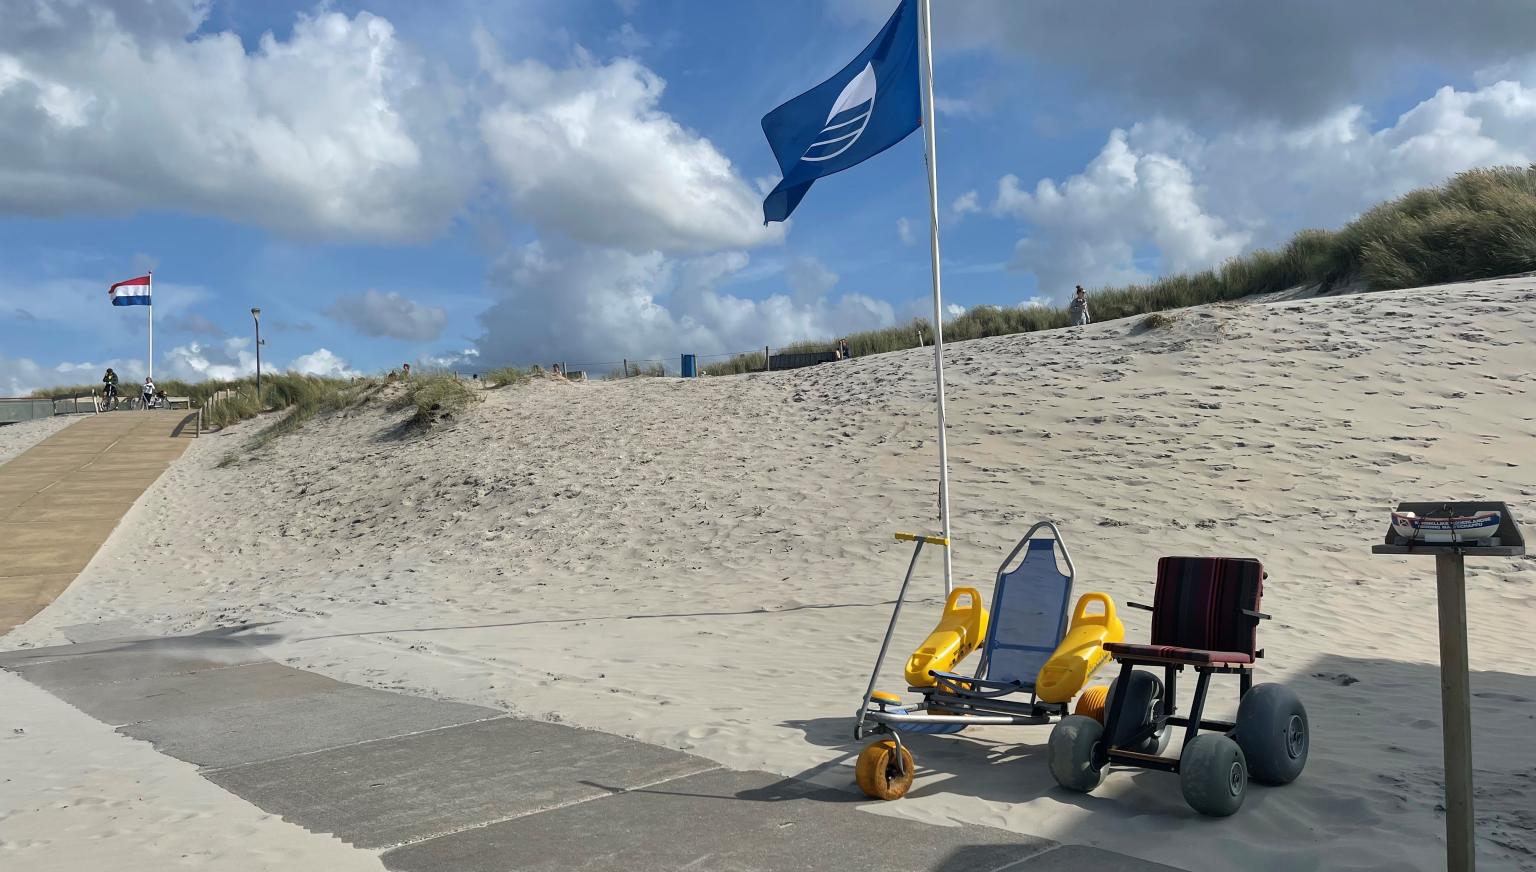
(504, 376)
(436, 397)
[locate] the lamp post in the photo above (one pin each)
(256, 316)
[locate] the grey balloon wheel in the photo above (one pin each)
(1274, 733)
(1213, 775)
(1070, 752)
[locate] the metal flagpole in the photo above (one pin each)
(151, 323)
(930, 157)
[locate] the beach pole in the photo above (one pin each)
(1455, 678)
(931, 159)
(767, 360)
(1455, 711)
(151, 308)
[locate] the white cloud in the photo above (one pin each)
(334, 131)
(904, 231)
(809, 279)
(1188, 202)
(198, 361)
(20, 376)
(966, 203)
(954, 310)
(322, 362)
(1036, 303)
(1088, 229)
(630, 40)
(374, 314)
(558, 300)
(586, 152)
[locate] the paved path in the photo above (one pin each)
(61, 498)
(434, 786)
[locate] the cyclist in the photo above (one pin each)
(109, 388)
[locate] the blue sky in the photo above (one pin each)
(472, 184)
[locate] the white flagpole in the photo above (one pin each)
(151, 308)
(930, 156)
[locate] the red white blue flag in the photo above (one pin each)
(134, 292)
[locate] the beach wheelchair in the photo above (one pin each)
(1205, 617)
(1032, 660)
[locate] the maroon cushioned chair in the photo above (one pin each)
(1204, 616)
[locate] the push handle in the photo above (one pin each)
(1081, 612)
(952, 604)
(919, 537)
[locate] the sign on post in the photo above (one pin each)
(1452, 532)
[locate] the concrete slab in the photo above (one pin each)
(67, 666)
(414, 787)
(193, 693)
(1080, 858)
(278, 728)
(724, 821)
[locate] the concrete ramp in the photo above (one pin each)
(437, 786)
(60, 500)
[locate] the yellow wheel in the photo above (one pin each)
(1091, 703)
(878, 773)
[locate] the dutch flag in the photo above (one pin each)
(134, 292)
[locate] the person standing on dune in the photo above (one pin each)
(1079, 308)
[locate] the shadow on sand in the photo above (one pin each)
(1374, 775)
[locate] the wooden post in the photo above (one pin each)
(1455, 712)
(626, 367)
(767, 360)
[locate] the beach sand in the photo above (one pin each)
(708, 564)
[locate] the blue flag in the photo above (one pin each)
(870, 106)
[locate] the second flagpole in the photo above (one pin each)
(151, 324)
(930, 157)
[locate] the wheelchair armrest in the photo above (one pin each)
(1143, 606)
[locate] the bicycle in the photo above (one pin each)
(109, 397)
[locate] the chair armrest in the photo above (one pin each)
(1143, 606)
(1253, 614)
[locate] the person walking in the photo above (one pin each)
(1079, 307)
(148, 392)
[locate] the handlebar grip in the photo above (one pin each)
(919, 537)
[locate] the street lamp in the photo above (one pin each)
(256, 316)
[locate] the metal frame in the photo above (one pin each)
(1107, 753)
(962, 706)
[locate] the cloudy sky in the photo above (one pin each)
(531, 181)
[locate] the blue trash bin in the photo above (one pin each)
(690, 366)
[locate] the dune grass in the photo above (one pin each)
(506, 375)
(1477, 225)
(435, 396)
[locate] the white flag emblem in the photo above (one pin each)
(857, 98)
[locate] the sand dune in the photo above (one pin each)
(707, 564)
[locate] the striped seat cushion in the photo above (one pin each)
(1184, 655)
(1200, 603)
